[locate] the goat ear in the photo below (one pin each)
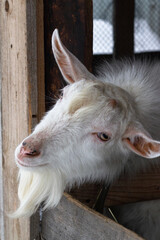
(71, 68)
(140, 142)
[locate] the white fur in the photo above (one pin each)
(36, 187)
(142, 218)
(122, 101)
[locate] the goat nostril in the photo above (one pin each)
(24, 143)
(28, 152)
(32, 153)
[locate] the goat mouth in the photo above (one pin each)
(29, 166)
(22, 163)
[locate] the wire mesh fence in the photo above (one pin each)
(102, 26)
(146, 26)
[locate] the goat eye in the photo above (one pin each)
(103, 136)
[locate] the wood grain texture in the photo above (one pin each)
(40, 59)
(74, 22)
(142, 187)
(18, 27)
(15, 107)
(72, 220)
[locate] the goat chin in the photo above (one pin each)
(36, 187)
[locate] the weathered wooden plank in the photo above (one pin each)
(123, 20)
(15, 107)
(74, 21)
(142, 187)
(72, 220)
(40, 59)
(1, 181)
(19, 100)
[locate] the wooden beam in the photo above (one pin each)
(18, 27)
(142, 187)
(40, 59)
(74, 22)
(123, 20)
(72, 220)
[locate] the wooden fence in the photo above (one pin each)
(28, 73)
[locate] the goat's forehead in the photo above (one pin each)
(90, 90)
(85, 85)
(83, 94)
(84, 102)
(92, 87)
(94, 96)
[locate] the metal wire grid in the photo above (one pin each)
(102, 26)
(146, 26)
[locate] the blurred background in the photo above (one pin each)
(146, 26)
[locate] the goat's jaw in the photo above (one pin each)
(36, 187)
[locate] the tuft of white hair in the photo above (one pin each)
(45, 186)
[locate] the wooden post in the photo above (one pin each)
(20, 109)
(123, 21)
(74, 22)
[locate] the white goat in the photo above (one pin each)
(142, 218)
(101, 127)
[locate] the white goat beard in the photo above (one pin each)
(45, 185)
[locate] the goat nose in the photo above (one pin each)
(28, 150)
